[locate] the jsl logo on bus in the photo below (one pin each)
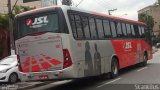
(39, 20)
(127, 45)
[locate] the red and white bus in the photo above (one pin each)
(62, 42)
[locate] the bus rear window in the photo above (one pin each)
(36, 24)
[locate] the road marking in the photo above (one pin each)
(61, 82)
(142, 69)
(108, 82)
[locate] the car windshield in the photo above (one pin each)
(7, 61)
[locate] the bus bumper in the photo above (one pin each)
(67, 73)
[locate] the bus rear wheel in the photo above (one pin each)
(114, 68)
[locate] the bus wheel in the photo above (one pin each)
(114, 68)
(145, 58)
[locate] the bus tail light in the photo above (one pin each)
(67, 59)
(19, 65)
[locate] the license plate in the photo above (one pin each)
(43, 77)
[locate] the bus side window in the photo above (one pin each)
(136, 29)
(143, 32)
(100, 28)
(113, 29)
(119, 30)
(107, 29)
(129, 32)
(133, 32)
(73, 25)
(124, 29)
(79, 27)
(93, 28)
(86, 27)
(140, 32)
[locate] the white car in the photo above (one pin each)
(9, 69)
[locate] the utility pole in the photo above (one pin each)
(111, 10)
(10, 23)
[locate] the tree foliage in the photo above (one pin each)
(4, 19)
(19, 9)
(4, 22)
(158, 2)
(146, 19)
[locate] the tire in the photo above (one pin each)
(145, 58)
(114, 68)
(13, 78)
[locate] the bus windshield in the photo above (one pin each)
(37, 23)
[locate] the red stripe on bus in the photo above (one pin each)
(26, 70)
(47, 57)
(36, 68)
(55, 62)
(34, 61)
(46, 65)
(27, 61)
(41, 60)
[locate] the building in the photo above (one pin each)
(4, 9)
(154, 11)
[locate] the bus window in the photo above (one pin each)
(29, 25)
(139, 28)
(100, 28)
(86, 27)
(143, 33)
(124, 29)
(107, 30)
(136, 29)
(119, 29)
(113, 29)
(73, 25)
(142, 28)
(128, 29)
(79, 26)
(133, 32)
(92, 28)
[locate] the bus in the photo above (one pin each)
(62, 42)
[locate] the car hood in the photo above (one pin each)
(3, 67)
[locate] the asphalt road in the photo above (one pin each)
(133, 78)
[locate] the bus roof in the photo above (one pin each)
(64, 7)
(108, 16)
(36, 10)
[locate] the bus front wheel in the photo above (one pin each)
(114, 68)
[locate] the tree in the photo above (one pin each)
(4, 19)
(146, 19)
(19, 9)
(158, 2)
(4, 22)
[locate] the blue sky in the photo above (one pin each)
(125, 8)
